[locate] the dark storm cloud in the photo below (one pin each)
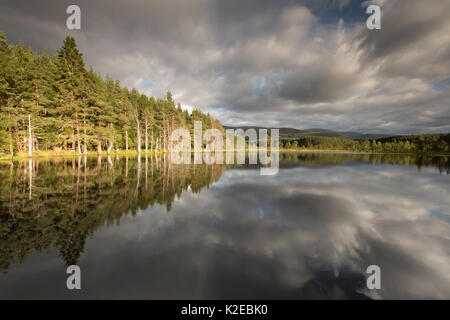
(279, 63)
(416, 41)
(308, 85)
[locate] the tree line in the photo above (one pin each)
(407, 143)
(53, 103)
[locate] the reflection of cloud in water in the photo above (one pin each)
(301, 234)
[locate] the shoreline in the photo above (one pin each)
(52, 154)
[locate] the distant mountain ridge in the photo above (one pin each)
(317, 132)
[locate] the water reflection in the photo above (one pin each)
(191, 231)
(59, 202)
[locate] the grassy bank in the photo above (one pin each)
(44, 154)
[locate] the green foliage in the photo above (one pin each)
(400, 144)
(75, 109)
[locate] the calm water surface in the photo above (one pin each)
(149, 229)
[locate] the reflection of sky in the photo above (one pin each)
(303, 233)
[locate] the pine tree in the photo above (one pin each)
(53, 102)
(71, 73)
(6, 120)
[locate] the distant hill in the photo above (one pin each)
(316, 132)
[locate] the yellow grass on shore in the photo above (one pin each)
(44, 154)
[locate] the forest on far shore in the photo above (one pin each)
(407, 143)
(53, 103)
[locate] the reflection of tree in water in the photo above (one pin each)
(71, 246)
(60, 202)
(441, 163)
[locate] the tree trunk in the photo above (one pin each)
(146, 135)
(171, 122)
(74, 141)
(151, 144)
(110, 147)
(78, 133)
(84, 133)
(164, 137)
(138, 133)
(11, 149)
(23, 125)
(30, 138)
(99, 148)
(126, 140)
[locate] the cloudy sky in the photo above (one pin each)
(278, 63)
